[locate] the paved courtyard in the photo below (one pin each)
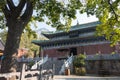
(73, 77)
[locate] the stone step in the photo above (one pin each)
(53, 62)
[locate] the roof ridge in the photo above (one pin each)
(86, 23)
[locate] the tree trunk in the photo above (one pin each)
(12, 44)
(16, 23)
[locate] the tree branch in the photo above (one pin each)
(11, 5)
(111, 7)
(20, 7)
(6, 11)
(28, 12)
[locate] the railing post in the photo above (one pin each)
(22, 72)
(53, 67)
(41, 66)
(40, 73)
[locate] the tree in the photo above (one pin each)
(16, 14)
(26, 43)
(57, 13)
(108, 13)
(3, 35)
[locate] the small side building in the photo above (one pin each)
(1, 47)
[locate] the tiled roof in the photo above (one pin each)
(76, 27)
(73, 28)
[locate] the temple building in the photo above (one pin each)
(81, 39)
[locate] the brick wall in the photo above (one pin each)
(93, 49)
(55, 53)
(89, 49)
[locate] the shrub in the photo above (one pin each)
(79, 64)
(79, 60)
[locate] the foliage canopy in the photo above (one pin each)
(108, 12)
(59, 14)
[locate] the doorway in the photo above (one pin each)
(73, 51)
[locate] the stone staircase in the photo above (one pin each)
(67, 64)
(53, 62)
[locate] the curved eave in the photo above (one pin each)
(46, 35)
(39, 42)
(50, 35)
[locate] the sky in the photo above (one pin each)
(81, 18)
